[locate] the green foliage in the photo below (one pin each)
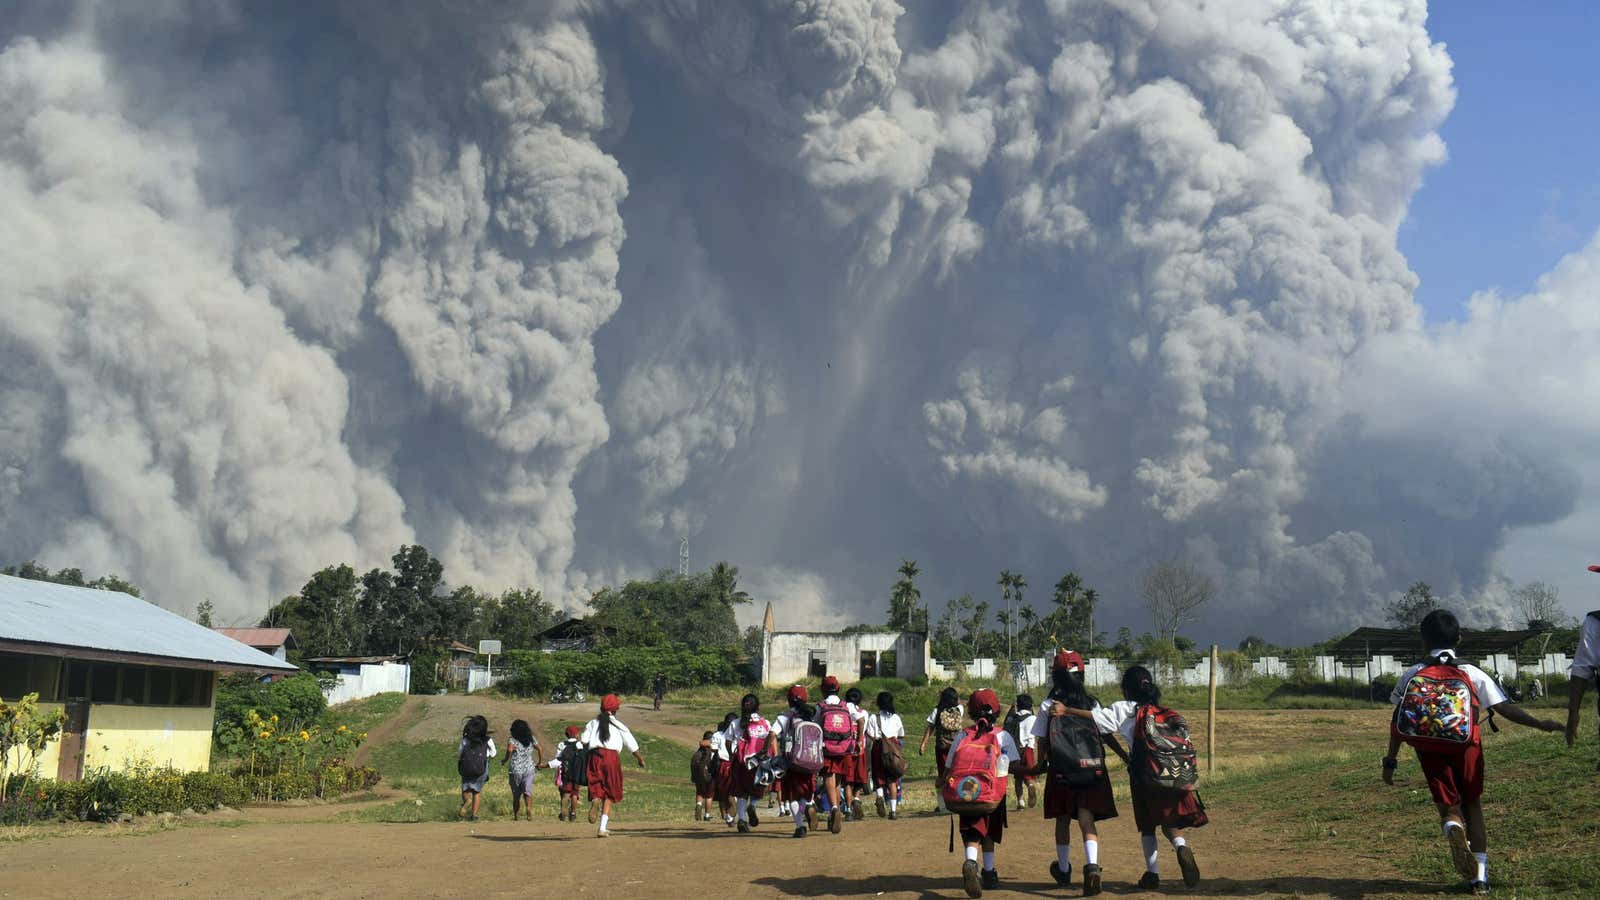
(71, 577)
(103, 795)
(1409, 609)
(617, 670)
(25, 730)
(425, 666)
(516, 618)
(203, 612)
(905, 601)
(695, 610)
(297, 701)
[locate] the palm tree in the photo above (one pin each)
(903, 602)
(725, 582)
(1005, 582)
(1030, 623)
(1017, 584)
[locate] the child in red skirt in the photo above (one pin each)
(883, 728)
(856, 781)
(944, 723)
(567, 789)
(1172, 811)
(798, 785)
(1028, 744)
(838, 769)
(748, 739)
(606, 737)
(1065, 802)
(982, 833)
(722, 769)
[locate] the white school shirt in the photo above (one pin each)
(1586, 660)
(621, 737)
(734, 736)
(784, 724)
(1008, 752)
(1489, 693)
(885, 725)
(719, 744)
(1120, 717)
(856, 712)
(933, 717)
(1025, 731)
(464, 746)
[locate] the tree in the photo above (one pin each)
(1253, 645)
(1174, 591)
(1017, 584)
(697, 610)
(905, 600)
(516, 618)
(32, 571)
(1007, 580)
(1539, 604)
(725, 585)
(1412, 606)
(202, 613)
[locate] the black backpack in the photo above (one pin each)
(1013, 727)
(700, 767)
(1077, 753)
(574, 765)
(473, 761)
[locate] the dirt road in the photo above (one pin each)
(547, 859)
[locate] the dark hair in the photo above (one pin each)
(522, 733)
(1440, 630)
(1025, 701)
(727, 720)
(885, 702)
(853, 696)
(706, 736)
(1139, 686)
(983, 717)
(1067, 686)
(750, 703)
(475, 729)
(949, 699)
(603, 728)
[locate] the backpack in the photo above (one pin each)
(700, 766)
(891, 755)
(473, 761)
(803, 745)
(1013, 726)
(1438, 709)
(754, 742)
(1077, 752)
(973, 785)
(1163, 755)
(574, 765)
(946, 726)
(838, 731)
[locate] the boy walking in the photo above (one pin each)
(1585, 670)
(1438, 703)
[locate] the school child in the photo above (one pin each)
(944, 723)
(1078, 787)
(701, 764)
(605, 737)
(799, 784)
(841, 740)
(856, 781)
(982, 831)
(1585, 669)
(472, 764)
(569, 756)
(1451, 754)
(747, 739)
(722, 788)
(1019, 722)
(521, 766)
(888, 762)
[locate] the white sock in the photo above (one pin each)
(1064, 857)
(1178, 840)
(1483, 866)
(1152, 863)
(1447, 826)
(604, 820)
(972, 854)
(893, 803)
(1091, 851)
(878, 791)
(988, 860)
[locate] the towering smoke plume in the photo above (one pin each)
(544, 286)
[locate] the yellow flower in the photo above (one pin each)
(343, 729)
(304, 736)
(266, 734)
(274, 717)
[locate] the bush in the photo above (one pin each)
(297, 701)
(619, 670)
(425, 666)
(104, 795)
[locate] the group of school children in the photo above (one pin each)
(590, 757)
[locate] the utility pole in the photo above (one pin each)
(683, 555)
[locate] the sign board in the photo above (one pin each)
(486, 648)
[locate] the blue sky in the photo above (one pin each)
(1522, 185)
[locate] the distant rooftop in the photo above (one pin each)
(40, 617)
(260, 637)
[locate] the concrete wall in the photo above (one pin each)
(49, 759)
(177, 737)
(1102, 672)
(383, 678)
(479, 677)
(786, 655)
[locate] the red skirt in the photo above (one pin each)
(722, 788)
(879, 776)
(798, 785)
(1065, 801)
(1029, 754)
(1155, 807)
(744, 781)
(841, 766)
(858, 769)
(975, 829)
(605, 775)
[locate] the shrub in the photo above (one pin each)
(297, 701)
(616, 669)
(425, 666)
(103, 795)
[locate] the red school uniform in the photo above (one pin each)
(748, 740)
(1062, 800)
(975, 829)
(1455, 778)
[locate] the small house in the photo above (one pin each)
(275, 642)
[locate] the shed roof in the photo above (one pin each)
(260, 637)
(352, 660)
(1404, 643)
(40, 617)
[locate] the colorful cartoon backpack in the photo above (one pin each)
(973, 785)
(1438, 709)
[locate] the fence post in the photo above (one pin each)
(1211, 718)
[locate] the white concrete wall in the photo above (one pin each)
(1099, 671)
(478, 678)
(786, 655)
(378, 679)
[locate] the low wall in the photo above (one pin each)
(1100, 671)
(372, 679)
(479, 677)
(178, 737)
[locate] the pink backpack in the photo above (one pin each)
(804, 746)
(973, 785)
(838, 730)
(756, 733)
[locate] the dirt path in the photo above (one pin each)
(545, 858)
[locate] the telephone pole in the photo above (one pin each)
(683, 555)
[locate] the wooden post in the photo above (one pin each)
(1211, 718)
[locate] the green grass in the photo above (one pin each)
(1540, 803)
(365, 714)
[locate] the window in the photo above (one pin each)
(28, 675)
(77, 680)
(192, 687)
(819, 663)
(103, 684)
(160, 687)
(13, 676)
(133, 680)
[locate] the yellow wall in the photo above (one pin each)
(49, 759)
(175, 736)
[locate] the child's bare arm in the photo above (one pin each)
(1389, 761)
(1522, 717)
(1575, 688)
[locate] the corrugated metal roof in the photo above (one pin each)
(258, 637)
(44, 613)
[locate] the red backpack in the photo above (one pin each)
(973, 785)
(1163, 754)
(755, 738)
(838, 730)
(1438, 709)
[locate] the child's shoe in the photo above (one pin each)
(883, 809)
(969, 878)
(1060, 876)
(1461, 854)
(811, 816)
(990, 878)
(1191, 869)
(1480, 887)
(1150, 881)
(594, 812)
(1033, 795)
(835, 820)
(753, 820)
(800, 831)
(855, 809)
(1091, 879)
(744, 827)
(603, 832)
